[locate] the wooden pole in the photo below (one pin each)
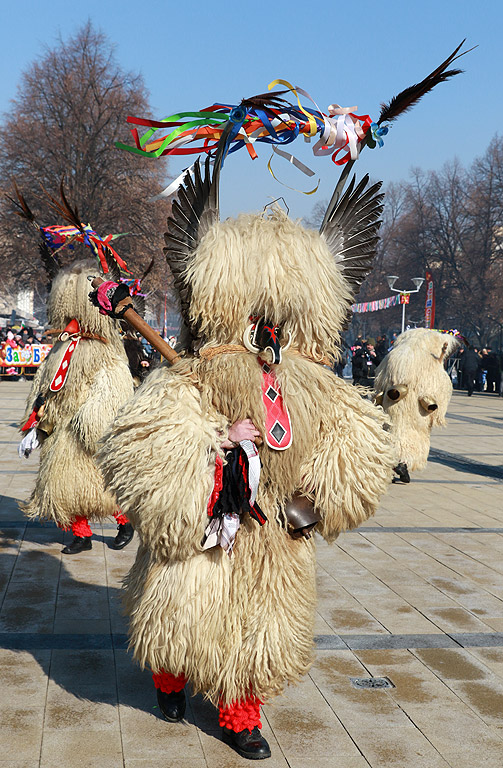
(139, 324)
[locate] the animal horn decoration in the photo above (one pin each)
(428, 404)
(443, 352)
(263, 338)
(398, 392)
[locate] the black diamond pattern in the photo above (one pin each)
(271, 394)
(278, 432)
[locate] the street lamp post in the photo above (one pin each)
(418, 281)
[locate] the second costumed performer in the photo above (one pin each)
(78, 389)
(222, 593)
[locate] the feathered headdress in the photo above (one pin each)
(351, 222)
(55, 239)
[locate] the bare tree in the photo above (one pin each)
(450, 222)
(70, 109)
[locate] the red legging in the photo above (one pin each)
(81, 527)
(236, 717)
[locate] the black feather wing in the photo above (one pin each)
(51, 263)
(139, 304)
(194, 211)
(352, 230)
(113, 272)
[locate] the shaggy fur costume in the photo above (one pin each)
(69, 484)
(242, 625)
(417, 363)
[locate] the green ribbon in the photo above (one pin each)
(204, 118)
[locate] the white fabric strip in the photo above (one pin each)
(253, 467)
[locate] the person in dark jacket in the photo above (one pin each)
(470, 365)
(493, 368)
(381, 349)
(140, 363)
(364, 366)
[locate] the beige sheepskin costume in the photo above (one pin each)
(69, 485)
(242, 626)
(414, 389)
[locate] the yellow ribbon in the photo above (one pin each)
(313, 128)
(294, 189)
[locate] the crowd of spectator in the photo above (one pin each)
(16, 336)
(366, 357)
(478, 370)
(473, 369)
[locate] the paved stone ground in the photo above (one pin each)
(416, 595)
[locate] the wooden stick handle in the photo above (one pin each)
(139, 324)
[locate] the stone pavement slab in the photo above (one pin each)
(415, 595)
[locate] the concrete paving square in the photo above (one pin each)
(415, 596)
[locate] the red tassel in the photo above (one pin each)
(169, 683)
(80, 527)
(120, 518)
(241, 715)
(32, 420)
(217, 485)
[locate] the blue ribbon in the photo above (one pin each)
(378, 132)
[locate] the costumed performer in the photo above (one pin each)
(222, 592)
(414, 389)
(76, 393)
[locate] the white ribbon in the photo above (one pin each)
(173, 186)
(28, 444)
(253, 467)
(293, 160)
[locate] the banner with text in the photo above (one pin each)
(31, 355)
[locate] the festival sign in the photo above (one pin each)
(31, 355)
(429, 307)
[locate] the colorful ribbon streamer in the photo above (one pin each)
(375, 306)
(60, 236)
(340, 132)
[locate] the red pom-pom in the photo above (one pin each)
(169, 683)
(80, 527)
(241, 715)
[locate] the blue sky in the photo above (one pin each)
(192, 54)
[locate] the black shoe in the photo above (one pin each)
(125, 533)
(79, 544)
(250, 744)
(172, 705)
(402, 472)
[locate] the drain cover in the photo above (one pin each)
(371, 682)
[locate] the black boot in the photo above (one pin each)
(172, 705)
(402, 472)
(125, 533)
(79, 544)
(250, 744)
